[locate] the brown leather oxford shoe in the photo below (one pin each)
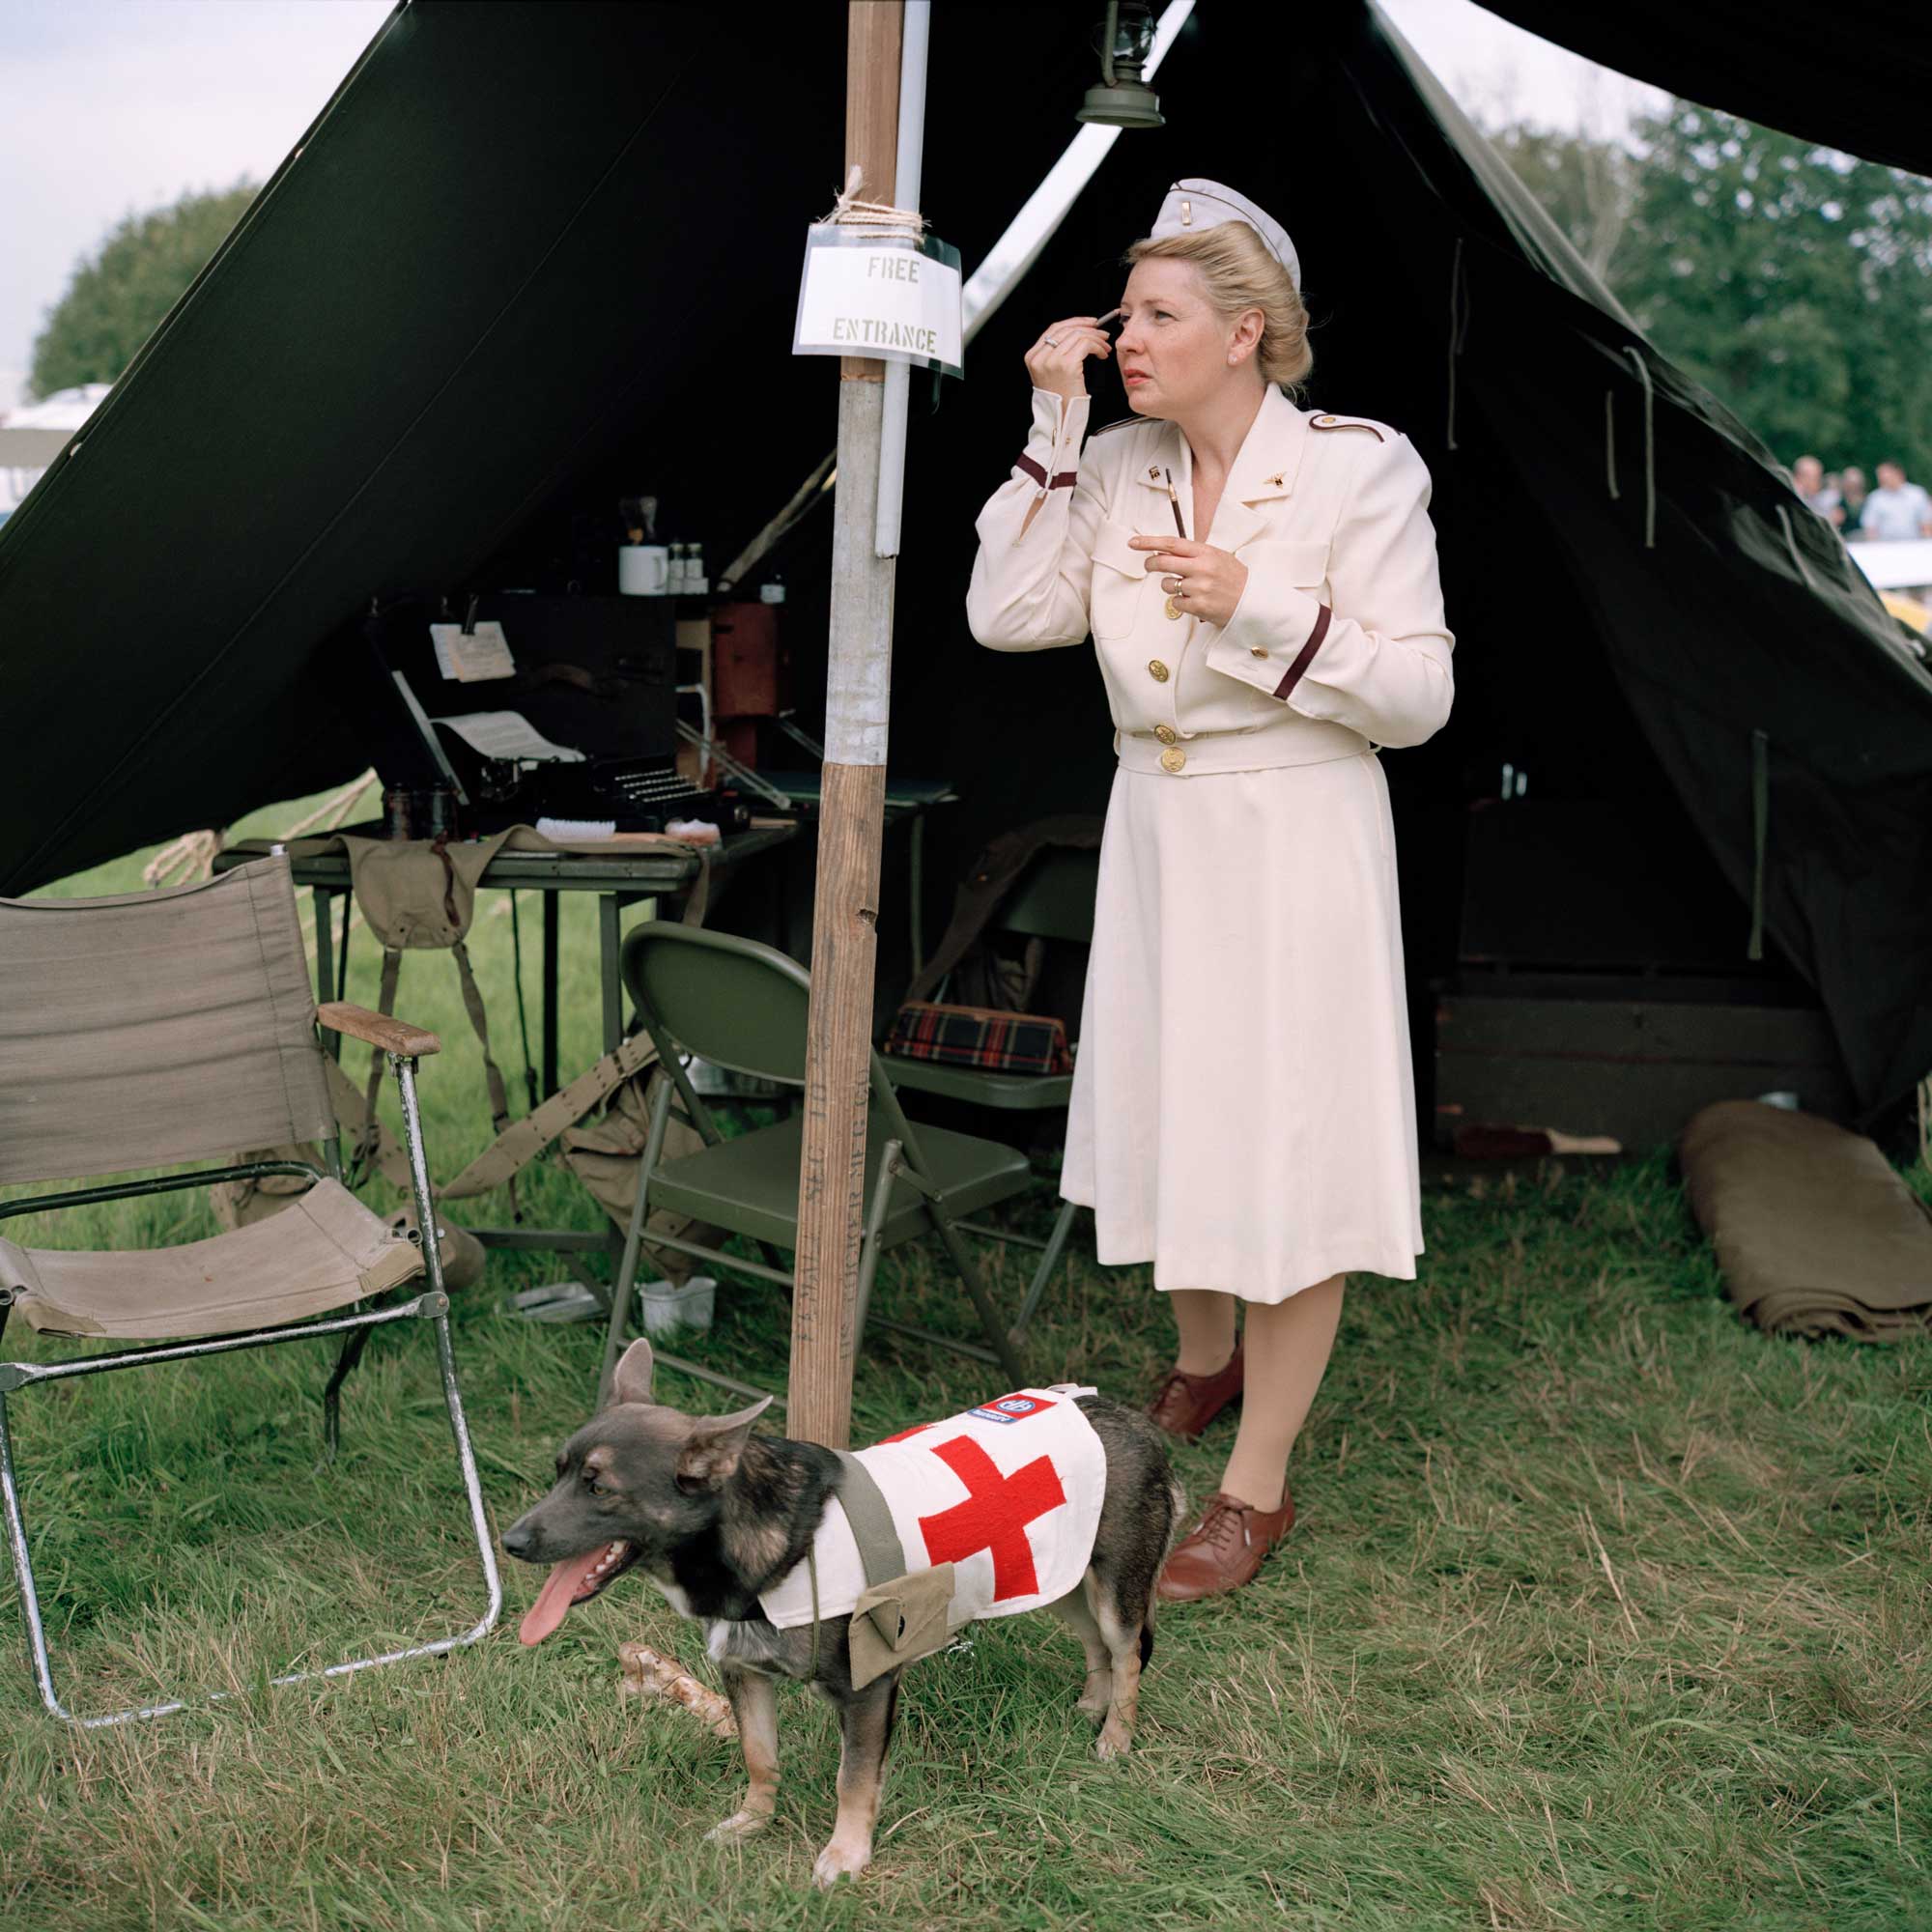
(1225, 1549)
(1185, 1404)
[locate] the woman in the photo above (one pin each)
(1243, 1111)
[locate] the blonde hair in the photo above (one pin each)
(1237, 272)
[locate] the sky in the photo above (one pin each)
(111, 107)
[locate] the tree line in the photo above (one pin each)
(1793, 281)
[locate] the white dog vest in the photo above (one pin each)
(1009, 1494)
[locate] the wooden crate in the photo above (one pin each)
(1633, 1058)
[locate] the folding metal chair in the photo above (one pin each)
(742, 1005)
(1053, 899)
(157, 1028)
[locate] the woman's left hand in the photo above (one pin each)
(1203, 582)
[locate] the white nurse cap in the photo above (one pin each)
(1194, 203)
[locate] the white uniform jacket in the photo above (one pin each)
(1338, 644)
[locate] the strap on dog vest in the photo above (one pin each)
(880, 1552)
(812, 1565)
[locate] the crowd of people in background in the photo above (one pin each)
(1896, 512)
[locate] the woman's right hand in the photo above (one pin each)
(1056, 360)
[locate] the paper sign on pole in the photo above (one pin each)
(876, 295)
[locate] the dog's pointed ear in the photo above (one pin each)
(635, 1368)
(711, 1451)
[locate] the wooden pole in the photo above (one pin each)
(851, 815)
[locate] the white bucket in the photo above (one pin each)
(667, 1309)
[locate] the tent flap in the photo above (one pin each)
(533, 258)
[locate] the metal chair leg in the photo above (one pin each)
(633, 1235)
(23, 1568)
(332, 1396)
(1055, 1244)
(997, 1332)
(889, 1161)
(17, 1374)
(620, 1300)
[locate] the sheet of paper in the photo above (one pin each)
(507, 734)
(484, 654)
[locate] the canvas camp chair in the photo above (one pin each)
(742, 1005)
(158, 1028)
(1053, 899)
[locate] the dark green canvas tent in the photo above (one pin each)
(532, 256)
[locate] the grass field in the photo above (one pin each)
(1603, 1610)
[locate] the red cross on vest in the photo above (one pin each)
(994, 1515)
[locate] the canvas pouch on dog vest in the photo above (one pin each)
(900, 1615)
(991, 1511)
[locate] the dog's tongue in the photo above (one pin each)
(554, 1600)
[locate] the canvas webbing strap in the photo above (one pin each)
(385, 1002)
(698, 899)
(479, 1021)
(347, 1097)
(493, 1075)
(522, 1141)
(880, 1552)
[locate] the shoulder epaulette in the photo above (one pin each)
(1121, 423)
(1348, 422)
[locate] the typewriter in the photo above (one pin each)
(582, 726)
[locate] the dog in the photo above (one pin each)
(712, 1514)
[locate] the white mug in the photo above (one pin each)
(644, 570)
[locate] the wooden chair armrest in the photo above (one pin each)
(392, 1035)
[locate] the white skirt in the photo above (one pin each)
(1243, 1111)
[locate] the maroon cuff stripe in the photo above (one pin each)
(1065, 480)
(1308, 651)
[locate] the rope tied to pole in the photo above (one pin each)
(1649, 448)
(875, 217)
(1797, 556)
(1458, 330)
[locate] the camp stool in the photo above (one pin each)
(1053, 899)
(157, 1028)
(742, 1005)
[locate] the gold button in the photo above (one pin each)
(1324, 420)
(1157, 670)
(1173, 758)
(1172, 608)
(1256, 651)
(1165, 734)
